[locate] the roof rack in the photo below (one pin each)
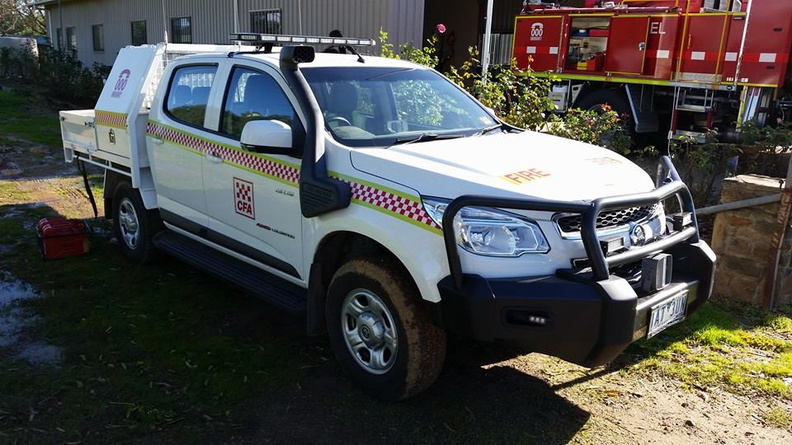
(268, 40)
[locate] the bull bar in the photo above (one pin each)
(592, 316)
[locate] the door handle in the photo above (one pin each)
(642, 46)
(158, 140)
(214, 158)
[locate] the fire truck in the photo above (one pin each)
(682, 66)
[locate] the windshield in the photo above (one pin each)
(365, 107)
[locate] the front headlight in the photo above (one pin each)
(491, 232)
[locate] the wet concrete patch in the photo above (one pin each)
(13, 323)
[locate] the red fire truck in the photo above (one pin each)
(682, 66)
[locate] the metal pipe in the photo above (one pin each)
(734, 205)
(742, 45)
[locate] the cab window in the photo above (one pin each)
(188, 94)
(253, 95)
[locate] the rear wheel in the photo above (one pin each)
(134, 226)
(379, 331)
(616, 101)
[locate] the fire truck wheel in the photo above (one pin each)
(615, 100)
(134, 226)
(379, 331)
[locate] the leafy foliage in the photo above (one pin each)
(518, 98)
(20, 17)
(522, 102)
(703, 164)
(59, 73)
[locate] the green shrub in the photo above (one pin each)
(57, 74)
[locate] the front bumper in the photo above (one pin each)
(586, 321)
(586, 316)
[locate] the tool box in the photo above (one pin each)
(60, 237)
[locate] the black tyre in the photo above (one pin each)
(614, 99)
(134, 226)
(617, 102)
(379, 331)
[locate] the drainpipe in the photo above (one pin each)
(485, 51)
(299, 16)
(164, 22)
(62, 31)
(236, 16)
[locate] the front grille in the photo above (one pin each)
(630, 271)
(605, 220)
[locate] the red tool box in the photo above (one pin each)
(60, 237)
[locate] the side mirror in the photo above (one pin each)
(268, 136)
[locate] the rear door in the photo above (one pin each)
(174, 136)
(626, 50)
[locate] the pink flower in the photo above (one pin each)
(441, 28)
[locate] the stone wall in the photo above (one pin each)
(742, 238)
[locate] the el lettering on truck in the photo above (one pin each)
(523, 176)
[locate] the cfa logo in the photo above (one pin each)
(537, 31)
(121, 83)
(243, 198)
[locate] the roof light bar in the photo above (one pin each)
(257, 38)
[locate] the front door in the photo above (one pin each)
(252, 199)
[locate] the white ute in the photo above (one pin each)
(387, 204)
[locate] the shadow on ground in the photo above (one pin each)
(475, 400)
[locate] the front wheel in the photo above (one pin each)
(379, 331)
(134, 226)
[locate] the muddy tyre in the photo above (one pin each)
(133, 225)
(380, 332)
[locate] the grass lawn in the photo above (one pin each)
(144, 348)
(24, 118)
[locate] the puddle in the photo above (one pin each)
(13, 290)
(21, 209)
(14, 319)
(38, 353)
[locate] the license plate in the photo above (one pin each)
(667, 313)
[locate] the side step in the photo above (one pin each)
(269, 288)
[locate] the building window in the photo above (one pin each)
(71, 38)
(266, 21)
(139, 36)
(181, 30)
(98, 37)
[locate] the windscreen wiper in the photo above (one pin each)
(490, 129)
(424, 137)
